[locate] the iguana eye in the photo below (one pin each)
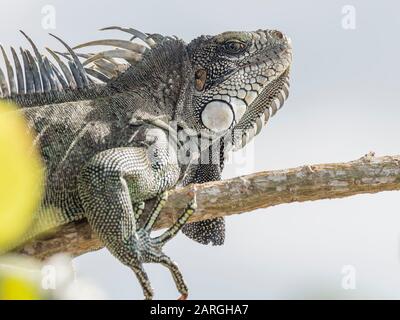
(234, 46)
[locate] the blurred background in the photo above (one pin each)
(344, 102)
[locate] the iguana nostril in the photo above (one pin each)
(278, 34)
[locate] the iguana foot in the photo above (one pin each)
(149, 250)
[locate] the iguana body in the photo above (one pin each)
(107, 148)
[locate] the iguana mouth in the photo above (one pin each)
(232, 73)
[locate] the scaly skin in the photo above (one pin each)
(109, 148)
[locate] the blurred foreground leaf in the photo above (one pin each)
(14, 288)
(20, 278)
(21, 176)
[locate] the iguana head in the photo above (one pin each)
(239, 79)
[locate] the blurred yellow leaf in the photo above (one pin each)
(16, 288)
(20, 176)
(20, 278)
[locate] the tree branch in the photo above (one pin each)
(243, 194)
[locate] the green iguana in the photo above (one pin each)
(113, 126)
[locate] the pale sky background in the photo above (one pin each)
(344, 102)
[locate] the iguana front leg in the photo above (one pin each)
(109, 186)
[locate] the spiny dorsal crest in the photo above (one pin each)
(71, 74)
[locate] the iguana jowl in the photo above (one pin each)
(110, 133)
